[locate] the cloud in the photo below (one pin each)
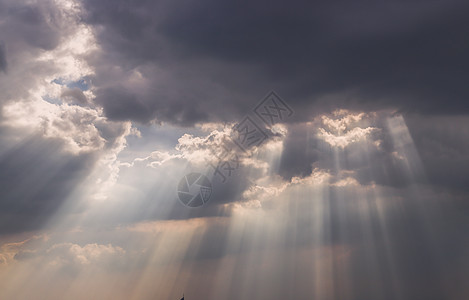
(51, 143)
(378, 152)
(36, 179)
(3, 59)
(88, 255)
(106, 105)
(442, 144)
(74, 95)
(344, 129)
(404, 56)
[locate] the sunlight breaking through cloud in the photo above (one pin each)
(357, 190)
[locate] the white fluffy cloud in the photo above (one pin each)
(343, 128)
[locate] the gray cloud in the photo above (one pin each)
(38, 25)
(443, 144)
(435, 152)
(27, 30)
(408, 56)
(47, 149)
(3, 58)
(74, 95)
(36, 178)
(392, 213)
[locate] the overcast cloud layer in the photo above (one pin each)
(198, 58)
(361, 193)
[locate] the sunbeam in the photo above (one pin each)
(212, 150)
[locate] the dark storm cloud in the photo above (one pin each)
(38, 24)
(405, 55)
(36, 178)
(3, 58)
(443, 145)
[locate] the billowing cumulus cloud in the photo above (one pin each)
(50, 143)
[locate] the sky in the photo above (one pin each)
(353, 185)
